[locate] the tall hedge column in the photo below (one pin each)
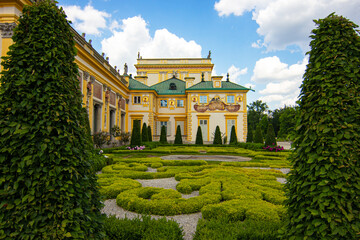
(323, 187)
(47, 187)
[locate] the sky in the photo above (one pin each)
(262, 44)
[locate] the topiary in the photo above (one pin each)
(199, 138)
(217, 137)
(135, 134)
(47, 186)
(323, 186)
(163, 135)
(144, 133)
(270, 136)
(250, 135)
(233, 137)
(178, 138)
(258, 135)
(149, 134)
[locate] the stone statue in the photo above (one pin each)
(209, 55)
(125, 69)
(138, 55)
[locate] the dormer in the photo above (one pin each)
(216, 81)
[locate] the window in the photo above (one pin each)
(203, 99)
(180, 103)
(163, 103)
(230, 99)
(172, 86)
(137, 99)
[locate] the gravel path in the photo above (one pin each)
(223, 158)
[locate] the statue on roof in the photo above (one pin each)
(125, 69)
(175, 74)
(138, 55)
(209, 55)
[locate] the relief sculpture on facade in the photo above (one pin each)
(216, 104)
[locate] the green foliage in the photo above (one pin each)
(111, 187)
(270, 136)
(323, 188)
(163, 138)
(217, 137)
(252, 146)
(135, 134)
(178, 138)
(115, 131)
(258, 135)
(250, 135)
(233, 137)
(264, 122)
(149, 134)
(144, 133)
(142, 228)
(199, 138)
(48, 187)
(256, 110)
(287, 122)
(100, 138)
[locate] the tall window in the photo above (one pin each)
(230, 99)
(180, 103)
(137, 99)
(203, 99)
(163, 103)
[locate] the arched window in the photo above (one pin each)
(172, 86)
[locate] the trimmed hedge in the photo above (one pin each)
(111, 187)
(217, 137)
(199, 137)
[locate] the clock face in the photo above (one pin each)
(194, 99)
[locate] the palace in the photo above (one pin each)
(168, 92)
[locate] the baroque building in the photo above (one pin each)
(168, 92)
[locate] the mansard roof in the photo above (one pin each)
(136, 85)
(208, 85)
(167, 87)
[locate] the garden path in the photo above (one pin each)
(223, 158)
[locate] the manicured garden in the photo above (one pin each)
(230, 193)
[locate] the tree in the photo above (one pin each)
(149, 134)
(264, 124)
(163, 138)
(199, 138)
(270, 136)
(217, 137)
(275, 119)
(233, 137)
(256, 110)
(48, 186)
(135, 134)
(323, 186)
(287, 122)
(250, 136)
(144, 133)
(258, 135)
(178, 138)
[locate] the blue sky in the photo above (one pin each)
(261, 43)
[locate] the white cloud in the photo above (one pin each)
(133, 36)
(249, 85)
(282, 81)
(234, 73)
(284, 23)
(88, 20)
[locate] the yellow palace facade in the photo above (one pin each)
(168, 92)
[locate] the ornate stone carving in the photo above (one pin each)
(86, 75)
(92, 79)
(7, 29)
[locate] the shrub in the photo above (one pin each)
(252, 146)
(142, 228)
(199, 138)
(111, 187)
(100, 138)
(144, 133)
(233, 137)
(135, 134)
(258, 135)
(323, 186)
(163, 138)
(250, 135)
(48, 187)
(178, 138)
(270, 136)
(149, 134)
(217, 137)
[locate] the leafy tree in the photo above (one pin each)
(178, 138)
(199, 138)
(144, 133)
(256, 110)
(275, 119)
(323, 186)
(217, 138)
(149, 134)
(258, 135)
(135, 134)
(250, 136)
(163, 138)
(287, 122)
(48, 187)
(270, 136)
(264, 122)
(233, 137)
